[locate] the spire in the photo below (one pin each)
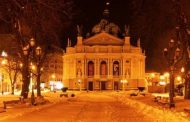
(127, 29)
(68, 42)
(139, 42)
(106, 10)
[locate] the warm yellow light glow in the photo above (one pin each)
(42, 69)
(182, 69)
(162, 77)
(178, 78)
(124, 81)
(162, 83)
(21, 65)
(53, 76)
(32, 42)
(152, 75)
(4, 62)
(166, 74)
(33, 67)
(42, 85)
(4, 54)
(79, 80)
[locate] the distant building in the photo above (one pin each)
(53, 69)
(9, 45)
(103, 60)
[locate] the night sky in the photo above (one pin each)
(151, 20)
(121, 13)
(90, 13)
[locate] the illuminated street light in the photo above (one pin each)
(172, 55)
(79, 82)
(3, 62)
(28, 50)
(123, 84)
(182, 70)
(167, 75)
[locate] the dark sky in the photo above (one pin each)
(151, 20)
(90, 13)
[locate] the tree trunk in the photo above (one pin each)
(13, 88)
(187, 81)
(38, 81)
(26, 80)
(187, 88)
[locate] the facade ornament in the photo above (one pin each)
(68, 42)
(127, 30)
(139, 42)
(188, 50)
(105, 26)
(79, 30)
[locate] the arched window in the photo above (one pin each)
(90, 68)
(116, 68)
(103, 68)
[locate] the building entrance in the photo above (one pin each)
(90, 86)
(116, 85)
(103, 85)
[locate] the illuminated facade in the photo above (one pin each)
(5, 82)
(9, 45)
(103, 60)
(53, 69)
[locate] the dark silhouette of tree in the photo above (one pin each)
(42, 20)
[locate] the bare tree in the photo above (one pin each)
(12, 67)
(42, 20)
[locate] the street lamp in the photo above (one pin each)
(172, 55)
(3, 62)
(166, 75)
(79, 82)
(32, 67)
(38, 54)
(124, 81)
(28, 51)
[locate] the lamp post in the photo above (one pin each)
(28, 51)
(183, 35)
(124, 81)
(79, 82)
(53, 82)
(1, 79)
(172, 55)
(4, 55)
(38, 54)
(166, 76)
(31, 82)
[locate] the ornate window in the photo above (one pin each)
(79, 69)
(90, 68)
(116, 68)
(103, 68)
(127, 68)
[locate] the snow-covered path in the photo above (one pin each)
(86, 108)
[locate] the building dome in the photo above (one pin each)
(105, 26)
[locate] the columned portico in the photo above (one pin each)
(102, 61)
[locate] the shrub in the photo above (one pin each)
(64, 89)
(72, 95)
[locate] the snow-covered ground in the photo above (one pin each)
(160, 113)
(113, 106)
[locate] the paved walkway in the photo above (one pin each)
(86, 108)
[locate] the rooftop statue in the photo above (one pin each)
(127, 30)
(79, 30)
(105, 26)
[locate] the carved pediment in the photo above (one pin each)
(103, 39)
